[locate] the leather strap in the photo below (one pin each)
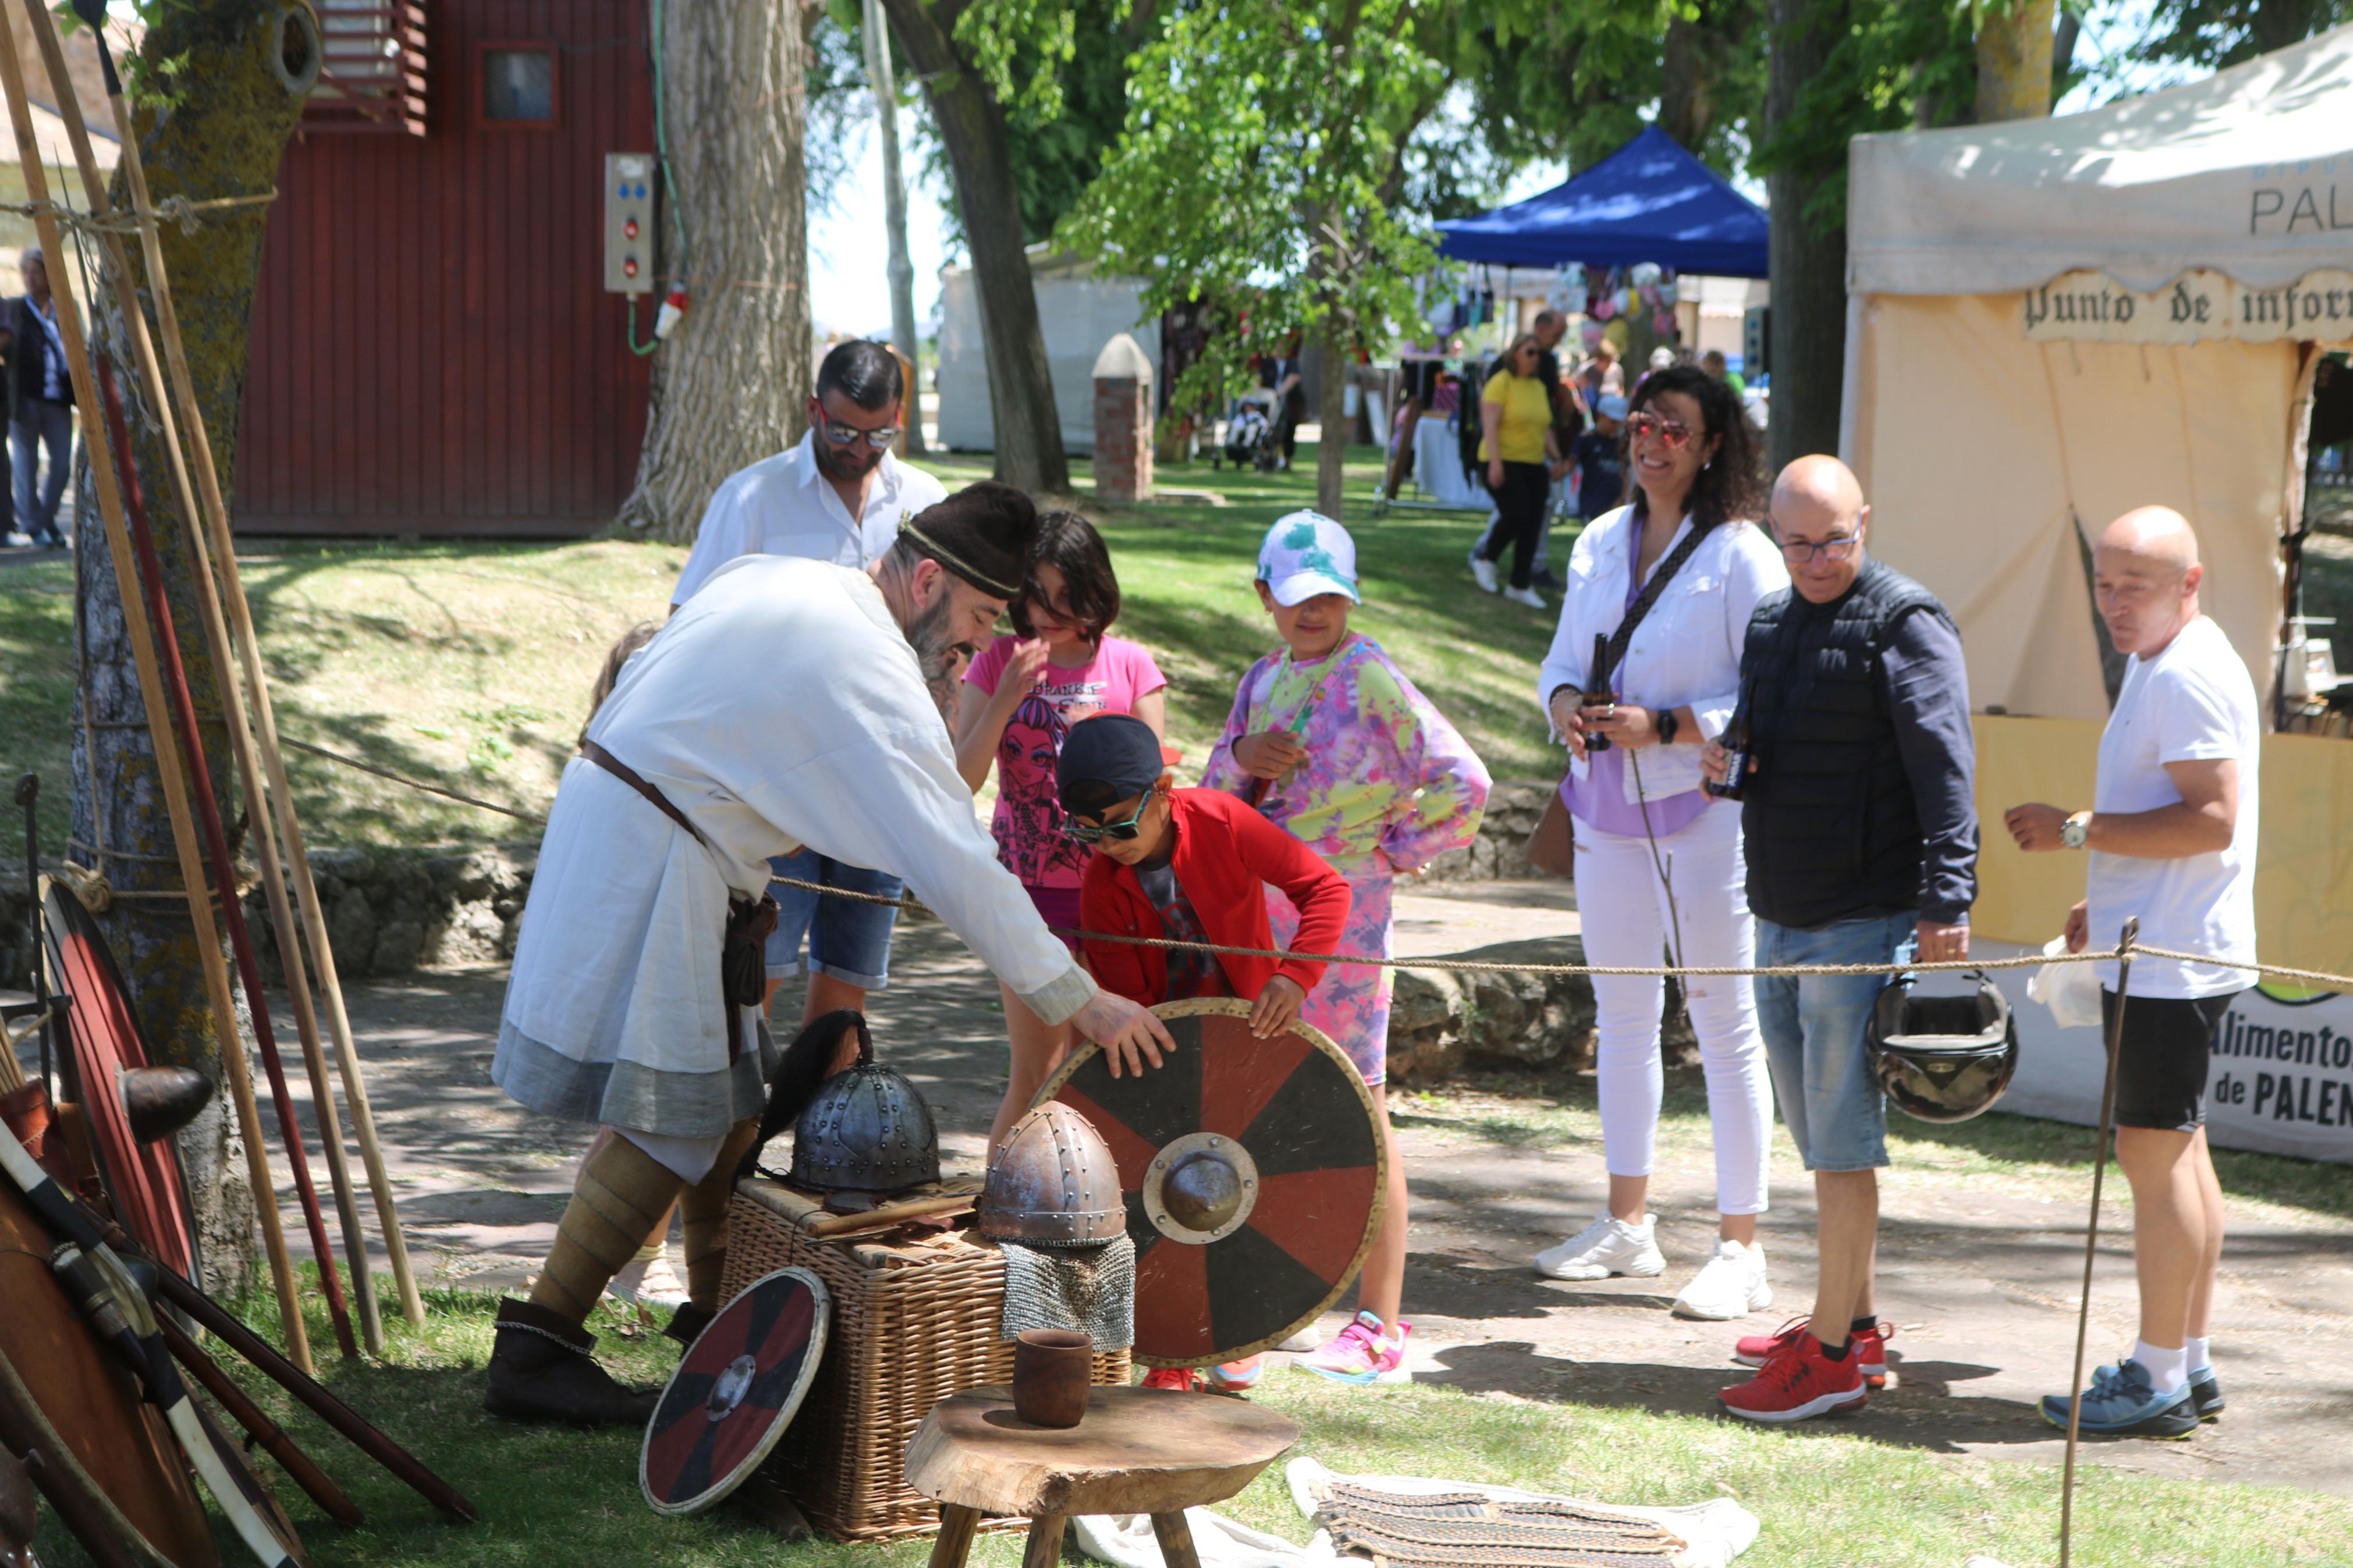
(1660, 576)
(628, 775)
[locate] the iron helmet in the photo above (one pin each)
(1053, 1183)
(1942, 1059)
(867, 1131)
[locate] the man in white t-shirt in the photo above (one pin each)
(840, 496)
(2172, 839)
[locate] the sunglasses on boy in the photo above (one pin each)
(1674, 432)
(1095, 833)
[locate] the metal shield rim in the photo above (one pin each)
(820, 1325)
(1236, 1007)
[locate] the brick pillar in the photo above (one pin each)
(1122, 422)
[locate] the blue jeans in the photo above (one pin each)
(848, 939)
(1814, 1028)
(40, 423)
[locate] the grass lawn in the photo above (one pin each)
(470, 662)
(1828, 1497)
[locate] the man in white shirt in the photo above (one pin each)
(2171, 833)
(790, 703)
(839, 496)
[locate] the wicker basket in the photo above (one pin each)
(913, 1322)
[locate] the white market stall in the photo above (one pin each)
(2052, 321)
(1078, 312)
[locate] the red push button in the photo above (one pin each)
(630, 266)
(630, 230)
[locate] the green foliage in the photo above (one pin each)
(2215, 34)
(1897, 64)
(1262, 167)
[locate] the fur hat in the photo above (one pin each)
(981, 533)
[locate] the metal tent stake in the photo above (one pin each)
(2092, 1235)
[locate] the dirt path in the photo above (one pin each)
(1979, 1263)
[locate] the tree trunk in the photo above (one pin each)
(224, 138)
(971, 125)
(901, 269)
(1332, 395)
(1808, 351)
(730, 385)
(2014, 48)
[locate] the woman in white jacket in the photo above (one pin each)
(1659, 864)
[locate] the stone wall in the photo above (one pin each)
(1442, 1022)
(1500, 853)
(392, 911)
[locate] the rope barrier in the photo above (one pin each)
(2319, 979)
(177, 210)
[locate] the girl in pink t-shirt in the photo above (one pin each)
(1021, 696)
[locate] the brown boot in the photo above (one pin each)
(544, 1370)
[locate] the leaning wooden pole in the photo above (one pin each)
(223, 555)
(250, 771)
(151, 698)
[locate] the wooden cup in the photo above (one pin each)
(1052, 1369)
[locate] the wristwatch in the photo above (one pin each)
(2076, 830)
(1667, 726)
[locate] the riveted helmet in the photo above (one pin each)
(1052, 1183)
(1942, 1059)
(865, 1131)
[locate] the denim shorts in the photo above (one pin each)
(1814, 1028)
(848, 939)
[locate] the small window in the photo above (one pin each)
(519, 85)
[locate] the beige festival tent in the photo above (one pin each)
(2052, 321)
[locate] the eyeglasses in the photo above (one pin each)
(850, 434)
(1804, 552)
(1674, 432)
(1092, 833)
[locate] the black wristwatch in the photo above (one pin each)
(1667, 726)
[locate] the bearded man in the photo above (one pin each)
(789, 703)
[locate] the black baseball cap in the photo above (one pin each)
(1107, 759)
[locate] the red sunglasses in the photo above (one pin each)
(1674, 432)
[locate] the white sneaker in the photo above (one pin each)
(1609, 1246)
(1730, 1285)
(649, 1280)
(1528, 596)
(1307, 1339)
(1484, 571)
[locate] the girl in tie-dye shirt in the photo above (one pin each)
(1333, 743)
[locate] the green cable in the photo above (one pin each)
(651, 345)
(661, 145)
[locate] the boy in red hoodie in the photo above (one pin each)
(1188, 864)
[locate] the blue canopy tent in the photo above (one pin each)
(1649, 201)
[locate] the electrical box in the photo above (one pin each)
(1756, 341)
(630, 223)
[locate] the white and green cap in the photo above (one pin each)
(1307, 553)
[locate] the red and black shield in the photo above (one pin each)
(1253, 1173)
(735, 1392)
(142, 1181)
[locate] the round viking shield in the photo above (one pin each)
(143, 1180)
(735, 1392)
(1252, 1171)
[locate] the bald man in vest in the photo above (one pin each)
(2169, 838)
(1862, 832)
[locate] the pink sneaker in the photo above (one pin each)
(1361, 1353)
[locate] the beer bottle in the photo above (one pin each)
(1735, 741)
(1600, 691)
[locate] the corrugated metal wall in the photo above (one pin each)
(433, 350)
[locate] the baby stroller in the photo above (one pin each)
(1249, 433)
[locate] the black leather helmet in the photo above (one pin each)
(1053, 1183)
(865, 1131)
(1942, 1059)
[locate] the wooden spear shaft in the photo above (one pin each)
(151, 698)
(217, 636)
(280, 794)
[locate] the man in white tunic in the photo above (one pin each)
(789, 702)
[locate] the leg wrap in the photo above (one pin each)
(703, 1207)
(620, 1193)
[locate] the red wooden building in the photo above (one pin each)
(434, 352)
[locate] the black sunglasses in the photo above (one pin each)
(1093, 833)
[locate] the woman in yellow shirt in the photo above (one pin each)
(1516, 412)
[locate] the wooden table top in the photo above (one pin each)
(1139, 1450)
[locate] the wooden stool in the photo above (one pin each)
(1140, 1450)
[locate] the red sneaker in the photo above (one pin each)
(1798, 1384)
(1176, 1379)
(1870, 1347)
